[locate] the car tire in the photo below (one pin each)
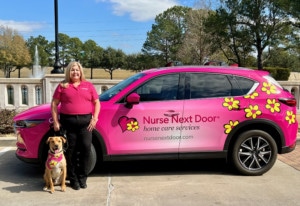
(92, 160)
(254, 153)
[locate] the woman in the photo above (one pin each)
(79, 110)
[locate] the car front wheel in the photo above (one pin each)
(92, 160)
(254, 153)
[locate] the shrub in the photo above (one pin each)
(6, 121)
(280, 74)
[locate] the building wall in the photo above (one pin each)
(48, 84)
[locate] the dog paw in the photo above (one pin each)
(45, 188)
(63, 188)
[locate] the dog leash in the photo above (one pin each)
(62, 132)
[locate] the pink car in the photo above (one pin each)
(182, 112)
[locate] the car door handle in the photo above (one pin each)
(171, 113)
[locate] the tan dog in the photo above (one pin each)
(56, 166)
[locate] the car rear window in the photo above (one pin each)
(203, 85)
(244, 84)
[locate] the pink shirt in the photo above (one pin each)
(76, 100)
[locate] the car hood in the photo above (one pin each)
(38, 112)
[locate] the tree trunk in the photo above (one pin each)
(91, 72)
(259, 60)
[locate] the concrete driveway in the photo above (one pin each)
(166, 183)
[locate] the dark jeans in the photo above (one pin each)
(79, 145)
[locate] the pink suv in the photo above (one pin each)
(182, 112)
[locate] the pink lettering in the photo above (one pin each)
(150, 120)
(199, 118)
(182, 119)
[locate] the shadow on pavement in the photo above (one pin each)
(28, 178)
(164, 167)
(23, 176)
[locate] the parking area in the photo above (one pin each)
(197, 182)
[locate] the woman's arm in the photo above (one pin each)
(54, 105)
(95, 115)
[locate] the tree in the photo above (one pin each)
(226, 36)
(139, 62)
(166, 36)
(283, 58)
(14, 53)
(63, 43)
(292, 8)
(196, 47)
(112, 59)
(92, 55)
(75, 49)
(246, 24)
(44, 49)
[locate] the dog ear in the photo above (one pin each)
(63, 139)
(48, 140)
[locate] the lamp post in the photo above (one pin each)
(57, 65)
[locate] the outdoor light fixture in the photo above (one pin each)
(57, 64)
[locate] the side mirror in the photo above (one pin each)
(131, 99)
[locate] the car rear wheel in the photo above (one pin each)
(254, 153)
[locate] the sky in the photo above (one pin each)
(120, 24)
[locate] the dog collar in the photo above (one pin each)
(53, 159)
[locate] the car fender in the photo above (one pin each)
(261, 124)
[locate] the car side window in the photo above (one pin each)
(245, 85)
(209, 85)
(159, 88)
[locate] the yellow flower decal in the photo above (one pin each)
(132, 126)
(268, 88)
(251, 96)
(290, 117)
(231, 103)
(252, 111)
(230, 126)
(272, 105)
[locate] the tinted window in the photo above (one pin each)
(209, 85)
(108, 94)
(244, 84)
(159, 88)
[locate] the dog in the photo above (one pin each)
(55, 166)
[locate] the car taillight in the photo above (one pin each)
(289, 101)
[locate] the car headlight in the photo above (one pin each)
(27, 123)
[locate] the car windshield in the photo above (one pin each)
(111, 92)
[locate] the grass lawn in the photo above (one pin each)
(97, 73)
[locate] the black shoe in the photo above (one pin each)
(75, 185)
(83, 185)
(82, 181)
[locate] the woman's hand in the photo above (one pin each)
(92, 124)
(56, 126)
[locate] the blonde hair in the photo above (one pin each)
(66, 81)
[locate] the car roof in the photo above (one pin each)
(209, 69)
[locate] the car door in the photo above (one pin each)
(214, 105)
(152, 125)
